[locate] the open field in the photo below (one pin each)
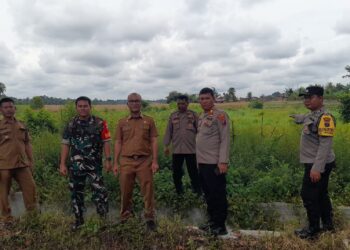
(263, 168)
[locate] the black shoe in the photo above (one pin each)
(307, 233)
(151, 225)
(77, 224)
(218, 231)
(206, 226)
(328, 228)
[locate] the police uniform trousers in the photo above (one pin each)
(315, 197)
(25, 180)
(77, 181)
(214, 188)
(178, 172)
(132, 168)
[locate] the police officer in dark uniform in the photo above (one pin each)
(85, 137)
(317, 155)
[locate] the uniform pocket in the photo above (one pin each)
(145, 131)
(4, 135)
(21, 134)
(126, 132)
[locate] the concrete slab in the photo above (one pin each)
(260, 233)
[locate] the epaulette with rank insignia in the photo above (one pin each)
(326, 126)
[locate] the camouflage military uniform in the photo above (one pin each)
(86, 139)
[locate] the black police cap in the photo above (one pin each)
(312, 90)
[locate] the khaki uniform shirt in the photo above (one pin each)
(135, 135)
(316, 148)
(14, 137)
(181, 132)
(213, 137)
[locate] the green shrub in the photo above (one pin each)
(67, 113)
(40, 121)
(37, 103)
(256, 104)
(345, 107)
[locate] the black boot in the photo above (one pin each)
(206, 226)
(79, 221)
(307, 233)
(327, 226)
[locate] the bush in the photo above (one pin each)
(256, 105)
(40, 121)
(37, 103)
(345, 107)
(67, 113)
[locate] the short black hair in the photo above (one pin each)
(83, 98)
(207, 91)
(6, 99)
(182, 97)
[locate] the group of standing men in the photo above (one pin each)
(204, 142)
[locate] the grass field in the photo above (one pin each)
(264, 167)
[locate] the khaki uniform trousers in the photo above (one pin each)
(130, 170)
(24, 178)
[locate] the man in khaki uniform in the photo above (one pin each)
(181, 132)
(213, 148)
(318, 157)
(136, 143)
(16, 159)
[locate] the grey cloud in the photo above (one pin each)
(278, 50)
(7, 58)
(342, 26)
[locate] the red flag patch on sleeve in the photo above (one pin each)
(106, 135)
(222, 118)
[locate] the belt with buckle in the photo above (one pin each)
(136, 157)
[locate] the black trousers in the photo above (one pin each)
(315, 197)
(178, 172)
(214, 188)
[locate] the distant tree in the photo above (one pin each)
(288, 92)
(193, 98)
(216, 93)
(249, 96)
(231, 95)
(2, 88)
(172, 96)
(276, 94)
(345, 107)
(347, 68)
(37, 102)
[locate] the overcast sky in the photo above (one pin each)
(106, 49)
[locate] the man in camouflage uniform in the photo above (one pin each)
(317, 155)
(181, 132)
(213, 149)
(85, 137)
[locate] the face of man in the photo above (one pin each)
(83, 109)
(134, 103)
(313, 102)
(182, 105)
(8, 109)
(206, 101)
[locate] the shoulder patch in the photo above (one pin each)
(221, 117)
(326, 127)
